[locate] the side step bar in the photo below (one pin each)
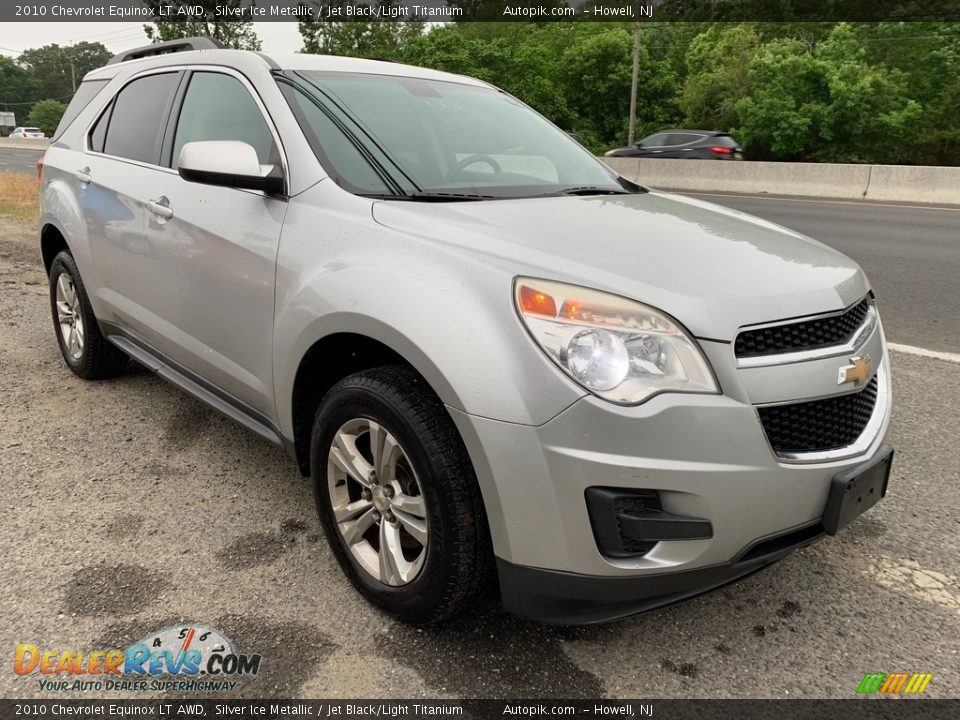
(228, 407)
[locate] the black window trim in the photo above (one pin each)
(108, 108)
(173, 118)
(291, 83)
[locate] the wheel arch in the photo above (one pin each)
(52, 241)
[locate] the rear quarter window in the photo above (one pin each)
(81, 98)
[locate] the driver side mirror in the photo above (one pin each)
(229, 163)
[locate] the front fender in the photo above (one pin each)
(447, 313)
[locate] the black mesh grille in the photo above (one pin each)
(821, 424)
(805, 335)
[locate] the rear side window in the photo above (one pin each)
(682, 138)
(138, 116)
(723, 141)
(81, 98)
(219, 107)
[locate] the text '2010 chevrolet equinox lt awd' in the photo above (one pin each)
(496, 360)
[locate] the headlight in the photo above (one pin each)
(618, 349)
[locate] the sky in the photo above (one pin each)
(117, 36)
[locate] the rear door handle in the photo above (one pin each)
(83, 175)
(160, 207)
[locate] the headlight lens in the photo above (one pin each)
(618, 349)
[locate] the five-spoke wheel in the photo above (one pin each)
(397, 495)
(377, 501)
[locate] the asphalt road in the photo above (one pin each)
(910, 253)
(130, 507)
(19, 159)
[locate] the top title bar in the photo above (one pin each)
(481, 10)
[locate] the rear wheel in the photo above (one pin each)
(84, 349)
(397, 496)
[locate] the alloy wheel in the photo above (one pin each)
(70, 316)
(377, 502)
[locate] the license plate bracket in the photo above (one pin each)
(855, 491)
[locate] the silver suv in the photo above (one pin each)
(496, 360)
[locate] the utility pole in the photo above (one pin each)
(73, 76)
(632, 126)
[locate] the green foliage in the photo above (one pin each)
(829, 105)
(56, 69)
(237, 35)
(17, 85)
(46, 115)
(716, 80)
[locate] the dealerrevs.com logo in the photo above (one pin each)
(186, 658)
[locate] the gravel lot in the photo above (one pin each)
(130, 507)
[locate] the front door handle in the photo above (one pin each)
(83, 175)
(160, 207)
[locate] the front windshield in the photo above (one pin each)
(443, 138)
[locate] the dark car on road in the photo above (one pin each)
(684, 144)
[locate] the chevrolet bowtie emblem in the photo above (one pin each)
(857, 372)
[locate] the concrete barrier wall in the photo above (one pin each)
(856, 182)
(25, 143)
(916, 184)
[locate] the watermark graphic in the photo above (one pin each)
(894, 684)
(181, 658)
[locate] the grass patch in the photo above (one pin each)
(18, 195)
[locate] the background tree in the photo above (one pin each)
(716, 63)
(46, 115)
(829, 104)
(56, 70)
(238, 35)
(18, 88)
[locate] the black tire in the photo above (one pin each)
(458, 561)
(98, 358)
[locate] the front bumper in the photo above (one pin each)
(564, 598)
(706, 457)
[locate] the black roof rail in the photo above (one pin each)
(165, 48)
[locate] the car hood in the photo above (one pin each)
(712, 268)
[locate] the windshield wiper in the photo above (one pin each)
(591, 190)
(427, 196)
(423, 196)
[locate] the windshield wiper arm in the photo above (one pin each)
(591, 190)
(427, 196)
(423, 196)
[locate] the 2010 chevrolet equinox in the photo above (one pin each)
(496, 359)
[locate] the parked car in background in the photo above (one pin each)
(26, 133)
(684, 144)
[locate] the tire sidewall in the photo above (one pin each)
(63, 264)
(419, 595)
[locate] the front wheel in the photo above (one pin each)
(397, 496)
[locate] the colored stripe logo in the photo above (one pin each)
(894, 683)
